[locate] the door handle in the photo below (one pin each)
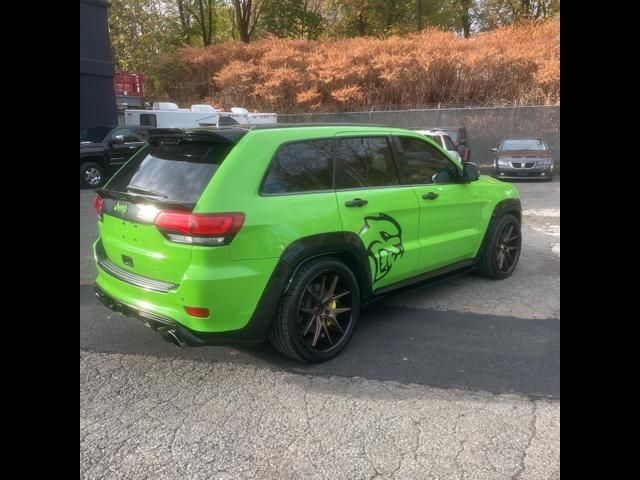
(356, 202)
(430, 196)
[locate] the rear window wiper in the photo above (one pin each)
(136, 197)
(146, 190)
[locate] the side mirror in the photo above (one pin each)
(470, 172)
(117, 140)
(494, 150)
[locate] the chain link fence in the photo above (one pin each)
(486, 126)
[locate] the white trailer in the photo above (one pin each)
(168, 115)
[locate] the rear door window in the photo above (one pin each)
(365, 162)
(171, 172)
(300, 167)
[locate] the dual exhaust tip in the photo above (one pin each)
(171, 335)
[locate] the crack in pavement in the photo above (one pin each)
(243, 422)
(532, 427)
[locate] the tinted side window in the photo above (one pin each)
(227, 121)
(449, 143)
(141, 135)
(422, 163)
(300, 167)
(130, 136)
(148, 119)
(366, 162)
(120, 131)
(435, 138)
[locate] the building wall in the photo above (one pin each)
(97, 95)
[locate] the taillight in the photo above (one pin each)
(199, 228)
(197, 311)
(97, 204)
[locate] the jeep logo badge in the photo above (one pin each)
(120, 207)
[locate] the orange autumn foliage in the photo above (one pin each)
(516, 63)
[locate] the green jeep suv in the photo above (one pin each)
(228, 236)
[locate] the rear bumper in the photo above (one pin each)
(234, 319)
(181, 336)
(171, 331)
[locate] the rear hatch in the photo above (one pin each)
(146, 207)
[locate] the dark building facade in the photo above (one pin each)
(97, 95)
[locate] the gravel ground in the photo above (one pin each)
(149, 418)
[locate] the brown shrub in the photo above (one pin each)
(516, 63)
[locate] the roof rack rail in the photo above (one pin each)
(267, 126)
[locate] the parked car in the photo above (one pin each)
(444, 140)
(103, 152)
(460, 141)
(523, 157)
(233, 235)
(95, 134)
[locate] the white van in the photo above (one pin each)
(442, 139)
(168, 115)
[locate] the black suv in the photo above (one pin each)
(103, 152)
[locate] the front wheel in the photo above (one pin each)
(501, 252)
(317, 314)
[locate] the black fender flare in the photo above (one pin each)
(508, 205)
(346, 246)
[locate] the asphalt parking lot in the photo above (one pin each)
(454, 380)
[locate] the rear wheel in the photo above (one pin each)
(317, 315)
(501, 252)
(91, 175)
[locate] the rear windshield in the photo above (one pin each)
(172, 172)
(523, 144)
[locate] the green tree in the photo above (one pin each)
(372, 17)
(292, 18)
(140, 30)
(245, 20)
(352, 18)
(494, 13)
(197, 20)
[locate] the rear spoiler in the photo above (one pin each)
(227, 136)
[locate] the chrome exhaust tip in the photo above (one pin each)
(172, 336)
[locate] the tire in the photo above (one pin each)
(300, 333)
(92, 175)
(494, 261)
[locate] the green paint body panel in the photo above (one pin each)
(420, 236)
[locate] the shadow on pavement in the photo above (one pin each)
(436, 348)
